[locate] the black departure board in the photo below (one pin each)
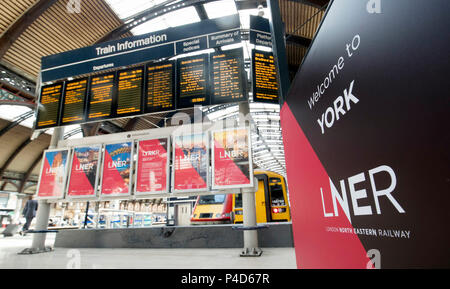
(101, 96)
(48, 109)
(74, 97)
(160, 92)
(227, 76)
(129, 91)
(192, 76)
(264, 75)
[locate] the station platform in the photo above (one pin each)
(142, 258)
(272, 235)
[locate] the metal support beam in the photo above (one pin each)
(131, 124)
(24, 21)
(249, 4)
(313, 3)
(14, 155)
(298, 40)
(201, 11)
(279, 48)
(90, 129)
(110, 127)
(16, 122)
(27, 174)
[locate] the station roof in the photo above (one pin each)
(31, 29)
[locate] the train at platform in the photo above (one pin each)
(271, 202)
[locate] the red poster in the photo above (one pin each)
(191, 162)
(232, 166)
(83, 172)
(53, 174)
(116, 169)
(152, 166)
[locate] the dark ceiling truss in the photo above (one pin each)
(314, 3)
(27, 174)
(298, 40)
(14, 155)
(73, 132)
(16, 122)
(2, 187)
(16, 177)
(17, 85)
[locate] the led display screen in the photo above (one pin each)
(160, 92)
(192, 76)
(48, 109)
(228, 76)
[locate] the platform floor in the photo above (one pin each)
(60, 258)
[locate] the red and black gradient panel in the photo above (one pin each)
(84, 172)
(190, 169)
(152, 166)
(232, 165)
(365, 131)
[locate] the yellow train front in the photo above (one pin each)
(271, 203)
(271, 199)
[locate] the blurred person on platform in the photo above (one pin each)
(29, 212)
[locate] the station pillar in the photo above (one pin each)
(43, 213)
(251, 247)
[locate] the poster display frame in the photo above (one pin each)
(97, 177)
(206, 136)
(66, 174)
(250, 160)
(168, 174)
(100, 176)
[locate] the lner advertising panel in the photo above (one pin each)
(152, 166)
(232, 164)
(191, 163)
(53, 175)
(84, 172)
(117, 167)
(365, 131)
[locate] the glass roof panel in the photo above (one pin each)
(125, 9)
(221, 8)
(10, 112)
(181, 17)
(150, 26)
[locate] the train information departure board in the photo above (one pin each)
(227, 76)
(192, 81)
(160, 93)
(101, 96)
(73, 101)
(48, 109)
(264, 75)
(129, 91)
